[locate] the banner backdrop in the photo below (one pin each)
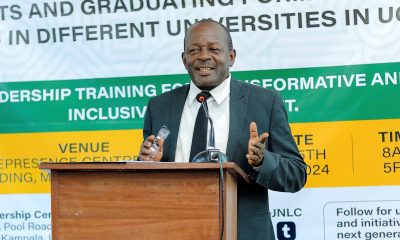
(76, 75)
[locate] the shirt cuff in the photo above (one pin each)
(257, 169)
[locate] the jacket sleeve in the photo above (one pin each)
(283, 168)
(147, 126)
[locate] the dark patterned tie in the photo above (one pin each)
(199, 140)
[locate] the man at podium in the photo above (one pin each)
(240, 112)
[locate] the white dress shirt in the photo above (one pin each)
(218, 107)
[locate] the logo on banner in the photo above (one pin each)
(286, 230)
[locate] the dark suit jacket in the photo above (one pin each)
(283, 168)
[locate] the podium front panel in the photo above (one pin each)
(135, 205)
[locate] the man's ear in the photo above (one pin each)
(232, 57)
(184, 59)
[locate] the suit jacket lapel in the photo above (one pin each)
(175, 114)
(238, 109)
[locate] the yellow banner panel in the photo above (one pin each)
(20, 154)
(350, 153)
(338, 154)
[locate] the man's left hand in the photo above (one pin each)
(256, 147)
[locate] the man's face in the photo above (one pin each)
(207, 57)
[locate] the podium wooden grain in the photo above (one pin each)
(142, 200)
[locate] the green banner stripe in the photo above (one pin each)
(360, 92)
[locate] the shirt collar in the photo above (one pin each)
(219, 93)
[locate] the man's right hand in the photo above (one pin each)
(145, 149)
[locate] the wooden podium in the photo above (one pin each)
(142, 200)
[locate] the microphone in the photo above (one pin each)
(202, 98)
(211, 154)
